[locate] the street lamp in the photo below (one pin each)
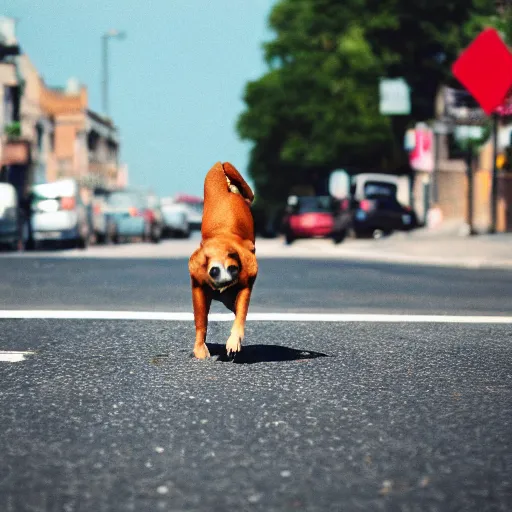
(111, 34)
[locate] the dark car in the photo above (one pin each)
(379, 212)
(155, 217)
(316, 217)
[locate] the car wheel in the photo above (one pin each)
(156, 234)
(13, 246)
(378, 234)
(110, 234)
(146, 235)
(83, 239)
(339, 237)
(81, 242)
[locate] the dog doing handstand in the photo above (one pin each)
(224, 267)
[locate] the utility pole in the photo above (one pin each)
(105, 66)
(104, 91)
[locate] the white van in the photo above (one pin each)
(10, 218)
(59, 214)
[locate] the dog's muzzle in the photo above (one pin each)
(221, 277)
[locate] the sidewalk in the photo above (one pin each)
(444, 247)
(478, 251)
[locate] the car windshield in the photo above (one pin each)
(124, 199)
(376, 189)
(318, 204)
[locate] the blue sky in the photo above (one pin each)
(176, 83)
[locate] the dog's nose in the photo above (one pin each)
(215, 272)
(233, 271)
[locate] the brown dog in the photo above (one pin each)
(224, 268)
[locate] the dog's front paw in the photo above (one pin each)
(234, 344)
(201, 351)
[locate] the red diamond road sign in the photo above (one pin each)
(485, 69)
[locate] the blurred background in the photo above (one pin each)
(345, 118)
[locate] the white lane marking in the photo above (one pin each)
(13, 356)
(256, 317)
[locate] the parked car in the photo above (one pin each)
(11, 218)
(59, 214)
(127, 211)
(377, 211)
(101, 224)
(175, 220)
(194, 206)
(154, 215)
(316, 217)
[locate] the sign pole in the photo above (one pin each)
(494, 182)
(469, 171)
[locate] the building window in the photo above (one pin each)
(39, 135)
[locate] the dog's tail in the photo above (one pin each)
(225, 176)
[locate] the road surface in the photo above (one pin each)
(408, 410)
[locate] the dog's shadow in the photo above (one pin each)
(251, 354)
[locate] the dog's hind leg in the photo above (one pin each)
(201, 302)
(238, 182)
(234, 343)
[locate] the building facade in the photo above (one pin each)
(50, 133)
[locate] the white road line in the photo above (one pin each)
(255, 317)
(13, 356)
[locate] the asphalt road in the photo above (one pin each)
(296, 285)
(116, 416)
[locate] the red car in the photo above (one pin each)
(316, 217)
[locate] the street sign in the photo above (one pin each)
(466, 132)
(485, 69)
(461, 108)
(394, 97)
(442, 128)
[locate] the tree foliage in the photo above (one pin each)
(316, 108)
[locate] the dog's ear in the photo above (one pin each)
(197, 264)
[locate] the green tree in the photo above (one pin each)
(316, 109)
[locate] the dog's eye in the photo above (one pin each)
(215, 272)
(233, 270)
